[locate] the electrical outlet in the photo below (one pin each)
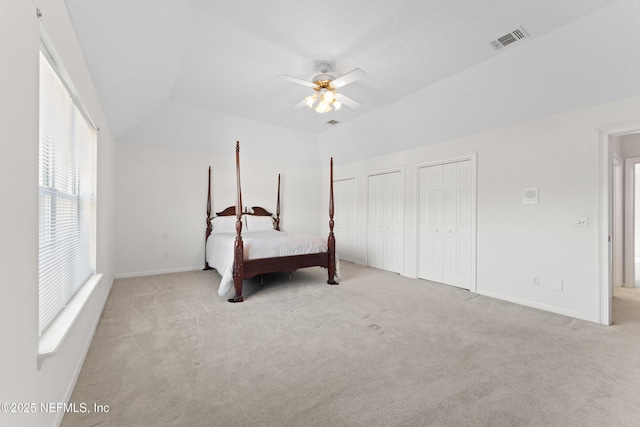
(557, 285)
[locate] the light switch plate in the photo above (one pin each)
(581, 222)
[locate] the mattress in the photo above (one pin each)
(257, 244)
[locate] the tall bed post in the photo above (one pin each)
(331, 241)
(238, 253)
(209, 226)
(278, 207)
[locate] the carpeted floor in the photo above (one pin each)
(377, 350)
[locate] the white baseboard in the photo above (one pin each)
(537, 305)
(155, 272)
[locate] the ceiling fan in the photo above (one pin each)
(325, 97)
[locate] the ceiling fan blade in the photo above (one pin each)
(300, 104)
(350, 77)
(347, 101)
(297, 80)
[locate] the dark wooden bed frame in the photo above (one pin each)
(247, 268)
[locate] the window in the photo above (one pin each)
(67, 182)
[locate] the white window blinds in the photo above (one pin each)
(67, 182)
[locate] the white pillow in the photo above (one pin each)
(224, 224)
(259, 223)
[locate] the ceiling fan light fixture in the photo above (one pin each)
(329, 96)
(311, 99)
(323, 101)
(323, 107)
(325, 98)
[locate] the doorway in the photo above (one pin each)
(636, 224)
(632, 222)
(618, 220)
(610, 218)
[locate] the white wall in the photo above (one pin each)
(197, 129)
(22, 381)
(570, 68)
(560, 109)
(629, 145)
(515, 242)
(161, 195)
(161, 183)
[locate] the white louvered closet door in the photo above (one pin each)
(345, 218)
(445, 224)
(385, 222)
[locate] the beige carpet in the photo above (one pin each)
(377, 350)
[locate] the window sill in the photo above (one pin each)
(53, 337)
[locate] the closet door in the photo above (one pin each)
(385, 221)
(449, 223)
(464, 228)
(375, 223)
(345, 218)
(444, 231)
(430, 227)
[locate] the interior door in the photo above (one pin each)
(345, 218)
(445, 223)
(385, 221)
(374, 223)
(464, 225)
(430, 225)
(449, 223)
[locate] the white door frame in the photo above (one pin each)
(473, 157)
(605, 222)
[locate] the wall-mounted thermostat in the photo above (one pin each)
(530, 196)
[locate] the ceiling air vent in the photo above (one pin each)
(333, 122)
(509, 38)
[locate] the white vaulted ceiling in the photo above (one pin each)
(226, 56)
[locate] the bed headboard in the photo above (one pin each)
(255, 218)
(255, 210)
(231, 210)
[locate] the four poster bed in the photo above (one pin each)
(262, 248)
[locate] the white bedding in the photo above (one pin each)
(257, 244)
